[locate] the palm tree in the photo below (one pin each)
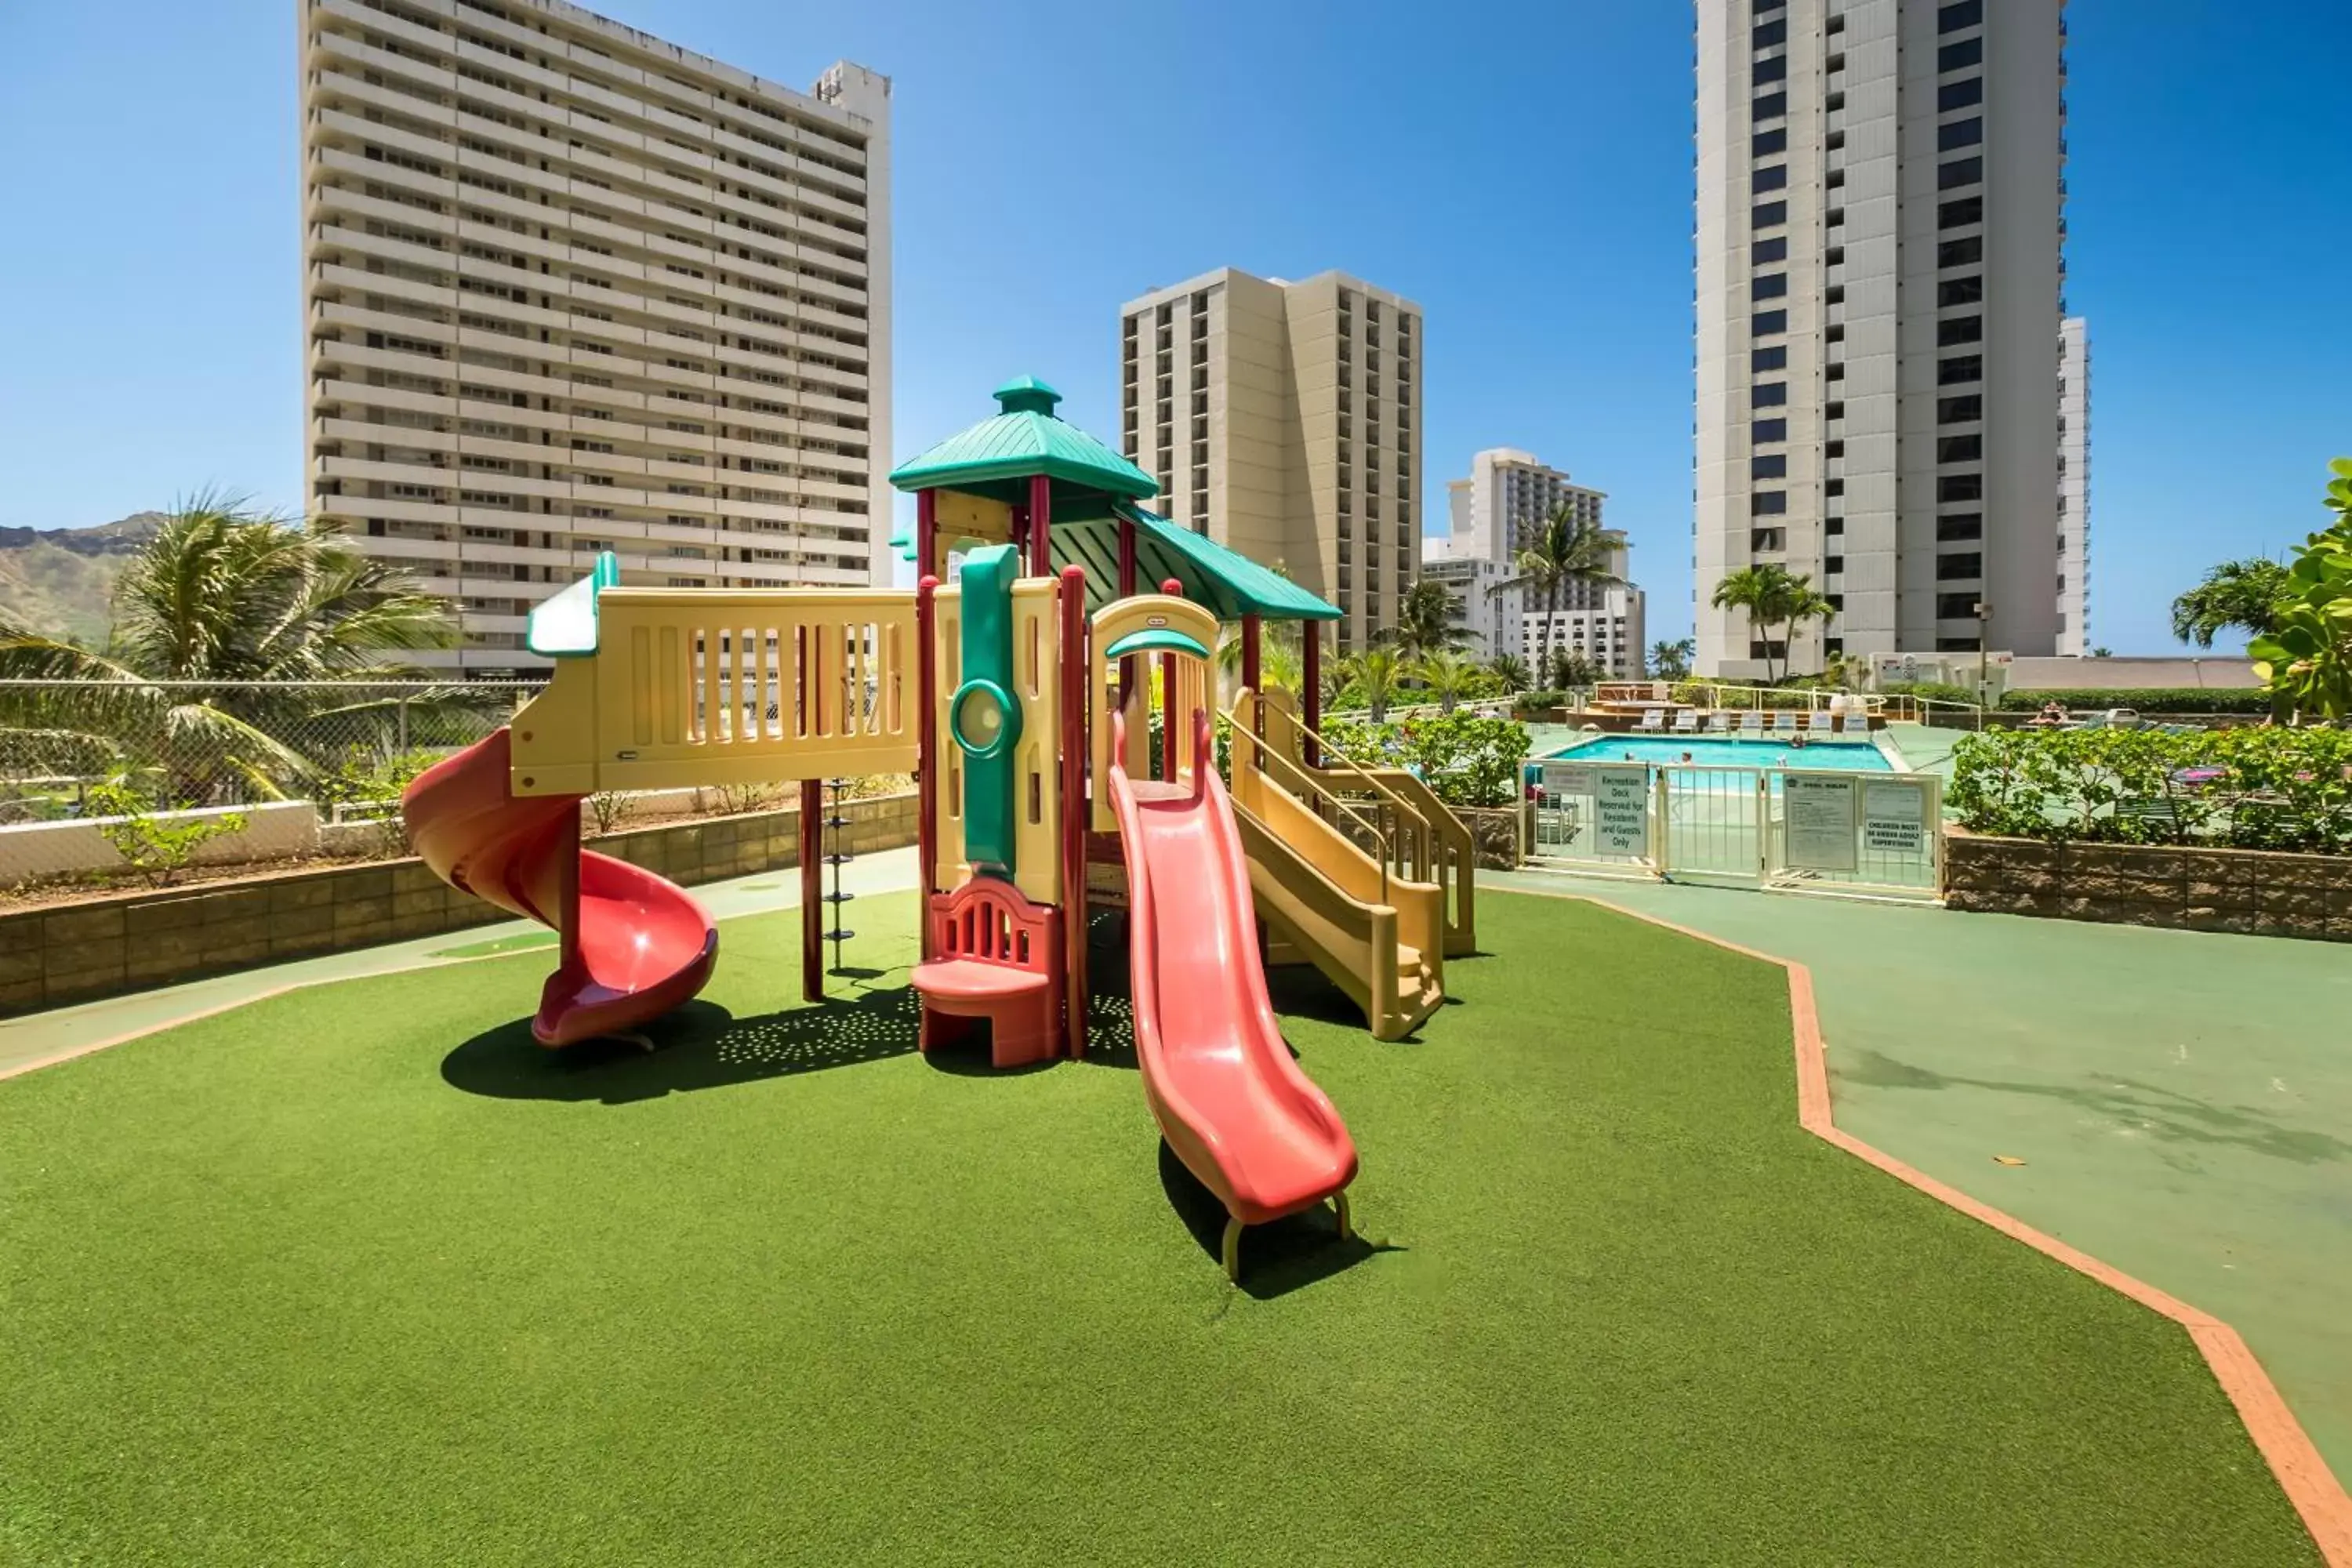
(224, 593)
(1510, 670)
(1449, 677)
(1568, 550)
(2241, 595)
(1671, 661)
(1425, 620)
(1772, 596)
(1372, 678)
(1281, 665)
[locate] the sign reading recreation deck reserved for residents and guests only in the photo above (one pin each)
(1620, 810)
(1817, 819)
(1895, 815)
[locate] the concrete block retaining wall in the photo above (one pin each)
(2249, 890)
(131, 942)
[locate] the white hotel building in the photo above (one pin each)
(1879, 231)
(568, 288)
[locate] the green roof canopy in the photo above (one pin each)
(1226, 582)
(997, 456)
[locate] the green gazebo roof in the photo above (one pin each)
(996, 457)
(1227, 583)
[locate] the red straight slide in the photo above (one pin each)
(1227, 1094)
(635, 945)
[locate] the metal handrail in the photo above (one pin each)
(1258, 748)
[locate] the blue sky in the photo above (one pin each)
(1522, 170)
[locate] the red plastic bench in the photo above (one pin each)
(997, 956)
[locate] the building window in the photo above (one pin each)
(1965, 94)
(1959, 330)
(1767, 503)
(1774, 70)
(1767, 323)
(1768, 430)
(1960, 172)
(1959, 527)
(1960, 370)
(1965, 252)
(1959, 487)
(1763, 250)
(1772, 106)
(1959, 450)
(1963, 410)
(1768, 466)
(1767, 214)
(1760, 540)
(1765, 144)
(1961, 213)
(1771, 285)
(1769, 35)
(1960, 133)
(1967, 290)
(1775, 178)
(1959, 568)
(1773, 358)
(1956, 607)
(1960, 56)
(1959, 14)
(1769, 395)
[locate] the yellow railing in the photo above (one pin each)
(1443, 849)
(698, 687)
(1304, 783)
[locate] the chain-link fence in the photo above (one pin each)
(78, 759)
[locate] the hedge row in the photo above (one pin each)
(2150, 699)
(2249, 788)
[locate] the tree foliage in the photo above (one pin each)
(2236, 595)
(1671, 661)
(2305, 660)
(1568, 550)
(1772, 596)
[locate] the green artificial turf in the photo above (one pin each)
(358, 1274)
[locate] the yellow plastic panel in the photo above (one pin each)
(951, 870)
(1145, 611)
(702, 686)
(960, 516)
(1037, 681)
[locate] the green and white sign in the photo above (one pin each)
(1895, 817)
(1620, 810)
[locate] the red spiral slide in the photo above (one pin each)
(635, 945)
(1230, 1100)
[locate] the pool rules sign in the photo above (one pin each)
(1818, 821)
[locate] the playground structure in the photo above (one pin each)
(1023, 697)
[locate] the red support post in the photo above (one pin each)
(1075, 756)
(1170, 725)
(1310, 701)
(1253, 672)
(812, 890)
(927, 533)
(926, 771)
(1041, 526)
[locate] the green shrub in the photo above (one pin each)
(2150, 699)
(1934, 691)
(1527, 702)
(369, 786)
(2248, 788)
(156, 849)
(1467, 760)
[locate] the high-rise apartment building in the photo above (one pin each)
(567, 288)
(2075, 486)
(1497, 511)
(1284, 420)
(1880, 198)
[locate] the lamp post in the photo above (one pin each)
(1984, 617)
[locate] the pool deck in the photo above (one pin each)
(2174, 1110)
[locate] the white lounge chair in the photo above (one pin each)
(1686, 721)
(1853, 723)
(1751, 722)
(1653, 719)
(1718, 724)
(1784, 723)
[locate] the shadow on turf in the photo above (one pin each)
(1277, 1259)
(700, 1045)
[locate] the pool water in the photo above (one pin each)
(1856, 756)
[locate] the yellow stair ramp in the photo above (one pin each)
(1378, 937)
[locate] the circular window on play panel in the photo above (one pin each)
(983, 719)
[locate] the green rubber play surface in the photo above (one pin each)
(358, 1274)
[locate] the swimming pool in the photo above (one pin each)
(1720, 752)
